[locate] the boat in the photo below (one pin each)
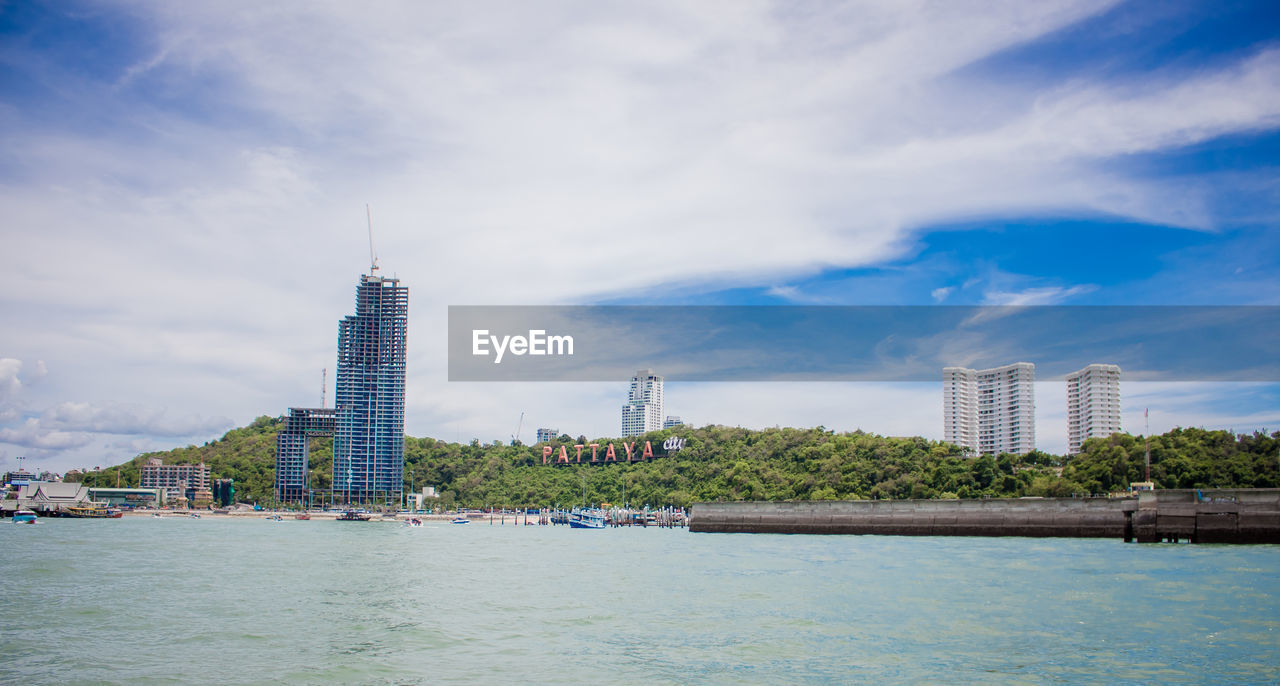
(413, 522)
(303, 516)
(461, 520)
(92, 513)
(194, 515)
(24, 517)
(354, 516)
(586, 518)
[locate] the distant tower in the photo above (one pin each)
(368, 448)
(990, 411)
(960, 407)
(1093, 404)
(643, 411)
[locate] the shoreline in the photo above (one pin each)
(330, 516)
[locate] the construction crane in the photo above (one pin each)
(515, 437)
(373, 260)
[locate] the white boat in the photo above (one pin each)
(24, 517)
(586, 518)
(461, 520)
(413, 522)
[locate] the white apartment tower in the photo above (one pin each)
(960, 407)
(643, 411)
(1093, 404)
(990, 411)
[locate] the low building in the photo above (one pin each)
(48, 497)
(201, 498)
(545, 435)
(672, 421)
(129, 497)
(20, 477)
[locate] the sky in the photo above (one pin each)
(184, 191)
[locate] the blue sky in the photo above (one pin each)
(185, 185)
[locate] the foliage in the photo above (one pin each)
(728, 463)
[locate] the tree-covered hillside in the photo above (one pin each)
(725, 463)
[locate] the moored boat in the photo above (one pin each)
(461, 520)
(92, 513)
(586, 518)
(303, 516)
(354, 516)
(24, 517)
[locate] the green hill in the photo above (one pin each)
(725, 463)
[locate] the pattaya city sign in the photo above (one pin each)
(631, 450)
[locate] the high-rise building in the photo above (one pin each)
(990, 411)
(177, 478)
(368, 446)
(672, 421)
(960, 407)
(643, 411)
(293, 450)
(1093, 404)
(545, 435)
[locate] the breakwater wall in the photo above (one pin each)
(1208, 516)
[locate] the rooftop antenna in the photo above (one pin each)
(324, 373)
(373, 261)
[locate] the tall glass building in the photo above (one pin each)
(368, 446)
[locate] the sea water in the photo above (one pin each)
(246, 601)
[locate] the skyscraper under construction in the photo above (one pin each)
(367, 421)
(368, 446)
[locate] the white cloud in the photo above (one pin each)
(193, 253)
(10, 385)
(126, 419)
(940, 294)
(32, 435)
(1046, 295)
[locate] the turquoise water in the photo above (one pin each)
(153, 601)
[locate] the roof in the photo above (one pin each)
(53, 492)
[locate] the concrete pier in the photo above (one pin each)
(1208, 516)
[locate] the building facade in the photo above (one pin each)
(643, 411)
(545, 435)
(368, 447)
(672, 421)
(960, 407)
(176, 479)
(293, 450)
(990, 411)
(1093, 404)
